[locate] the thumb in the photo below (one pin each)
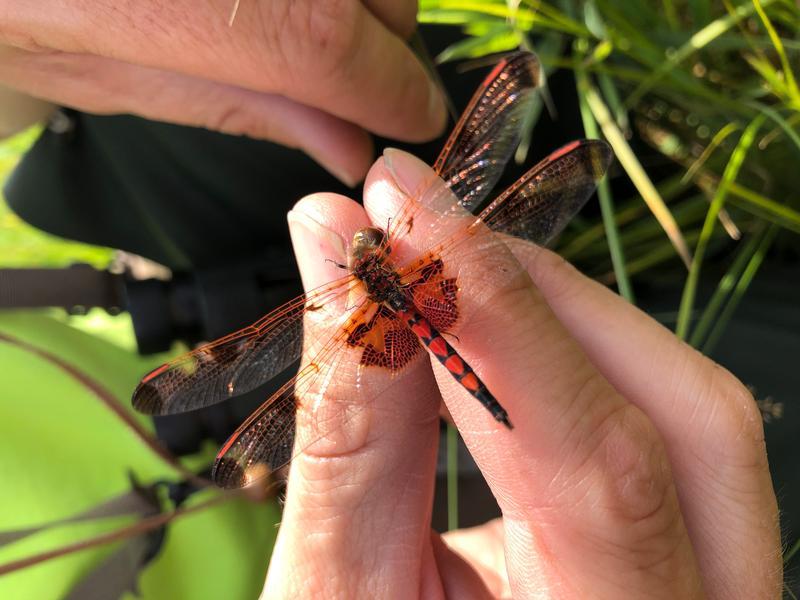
(367, 444)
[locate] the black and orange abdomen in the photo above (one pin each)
(457, 366)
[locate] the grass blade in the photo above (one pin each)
(604, 196)
(452, 477)
(782, 123)
(699, 40)
(741, 287)
(776, 42)
(730, 174)
(718, 138)
(634, 169)
(724, 289)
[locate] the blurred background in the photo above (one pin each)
(124, 242)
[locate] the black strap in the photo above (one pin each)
(75, 288)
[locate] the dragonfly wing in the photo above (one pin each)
(342, 378)
(489, 131)
(479, 147)
(433, 294)
(261, 445)
(541, 203)
(470, 256)
(239, 362)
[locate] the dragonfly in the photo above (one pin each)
(383, 313)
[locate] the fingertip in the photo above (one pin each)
(420, 108)
(398, 17)
(320, 225)
(347, 158)
(407, 171)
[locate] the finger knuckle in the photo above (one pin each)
(324, 36)
(549, 271)
(234, 119)
(636, 481)
(331, 25)
(624, 480)
(735, 421)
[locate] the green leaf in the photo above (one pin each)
(499, 38)
(63, 451)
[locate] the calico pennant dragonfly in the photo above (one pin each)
(383, 313)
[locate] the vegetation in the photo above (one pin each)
(701, 106)
(709, 87)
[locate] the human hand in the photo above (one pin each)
(313, 75)
(636, 468)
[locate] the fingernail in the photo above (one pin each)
(316, 248)
(409, 172)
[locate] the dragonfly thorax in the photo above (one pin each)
(368, 262)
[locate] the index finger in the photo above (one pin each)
(583, 480)
(335, 56)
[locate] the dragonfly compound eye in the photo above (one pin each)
(365, 241)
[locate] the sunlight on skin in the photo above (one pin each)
(604, 484)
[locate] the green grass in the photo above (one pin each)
(684, 77)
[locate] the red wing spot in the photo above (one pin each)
(454, 364)
(470, 382)
(155, 373)
(438, 346)
(499, 67)
(356, 336)
(564, 150)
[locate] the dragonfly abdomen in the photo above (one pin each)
(457, 366)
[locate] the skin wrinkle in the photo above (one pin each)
(535, 551)
(685, 459)
(751, 428)
(271, 24)
(733, 419)
(336, 43)
(718, 575)
(121, 22)
(635, 521)
(640, 564)
(338, 579)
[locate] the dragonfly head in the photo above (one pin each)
(366, 241)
